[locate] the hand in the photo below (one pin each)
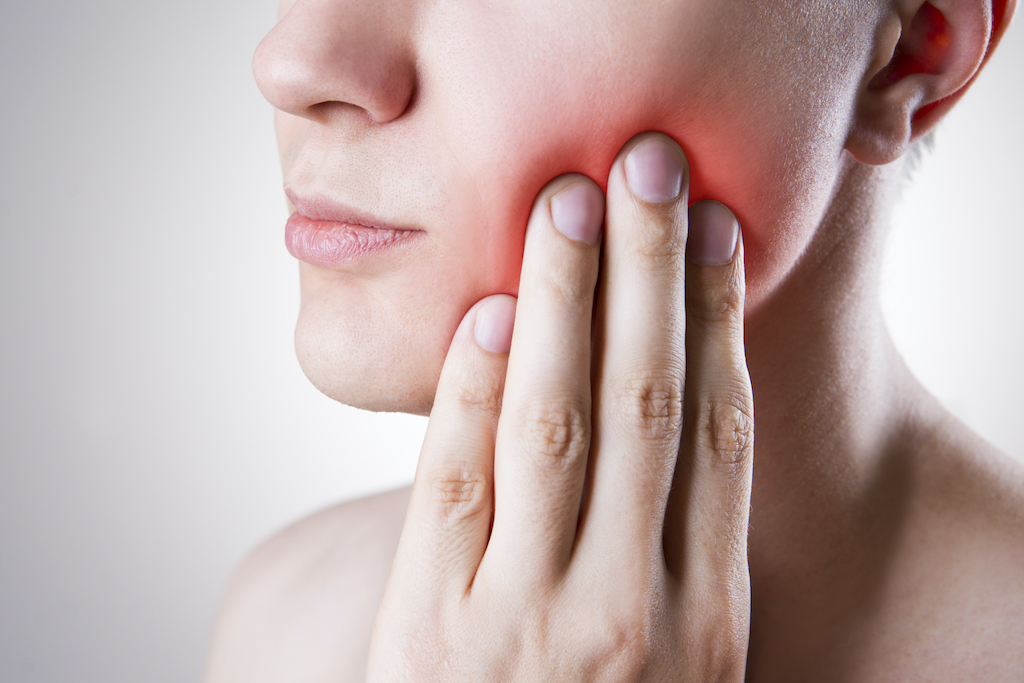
(580, 507)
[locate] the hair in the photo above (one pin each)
(916, 154)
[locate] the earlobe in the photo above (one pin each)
(914, 80)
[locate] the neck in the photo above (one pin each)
(833, 403)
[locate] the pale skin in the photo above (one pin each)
(614, 444)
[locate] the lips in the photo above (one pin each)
(328, 234)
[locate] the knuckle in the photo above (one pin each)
(725, 646)
(716, 300)
(725, 657)
(556, 432)
(717, 637)
(632, 640)
(726, 428)
(652, 404)
(568, 281)
(658, 245)
(627, 646)
(459, 491)
(478, 398)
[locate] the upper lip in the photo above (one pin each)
(322, 208)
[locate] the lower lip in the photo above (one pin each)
(330, 244)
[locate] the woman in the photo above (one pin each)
(487, 234)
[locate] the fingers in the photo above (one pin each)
(450, 510)
(640, 349)
(544, 434)
(711, 498)
(670, 383)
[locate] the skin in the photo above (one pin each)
(468, 175)
(884, 539)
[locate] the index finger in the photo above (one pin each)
(449, 514)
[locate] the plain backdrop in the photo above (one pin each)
(154, 424)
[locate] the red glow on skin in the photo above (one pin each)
(506, 97)
(555, 107)
(717, 171)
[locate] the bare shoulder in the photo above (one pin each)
(957, 599)
(971, 491)
(301, 607)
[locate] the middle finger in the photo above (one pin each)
(640, 356)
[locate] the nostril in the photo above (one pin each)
(317, 56)
(391, 93)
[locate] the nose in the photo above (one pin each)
(350, 52)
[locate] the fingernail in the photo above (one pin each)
(711, 237)
(654, 171)
(578, 212)
(493, 327)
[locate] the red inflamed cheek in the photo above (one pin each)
(509, 189)
(543, 123)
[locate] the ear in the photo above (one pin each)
(925, 56)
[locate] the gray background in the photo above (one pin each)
(153, 421)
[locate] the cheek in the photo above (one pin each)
(767, 147)
(762, 176)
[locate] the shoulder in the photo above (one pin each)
(967, 486)
(301, 607)
(958, 597)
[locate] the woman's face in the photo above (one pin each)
(448, 116)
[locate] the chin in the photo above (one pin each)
(373, 364)
(379, 343)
